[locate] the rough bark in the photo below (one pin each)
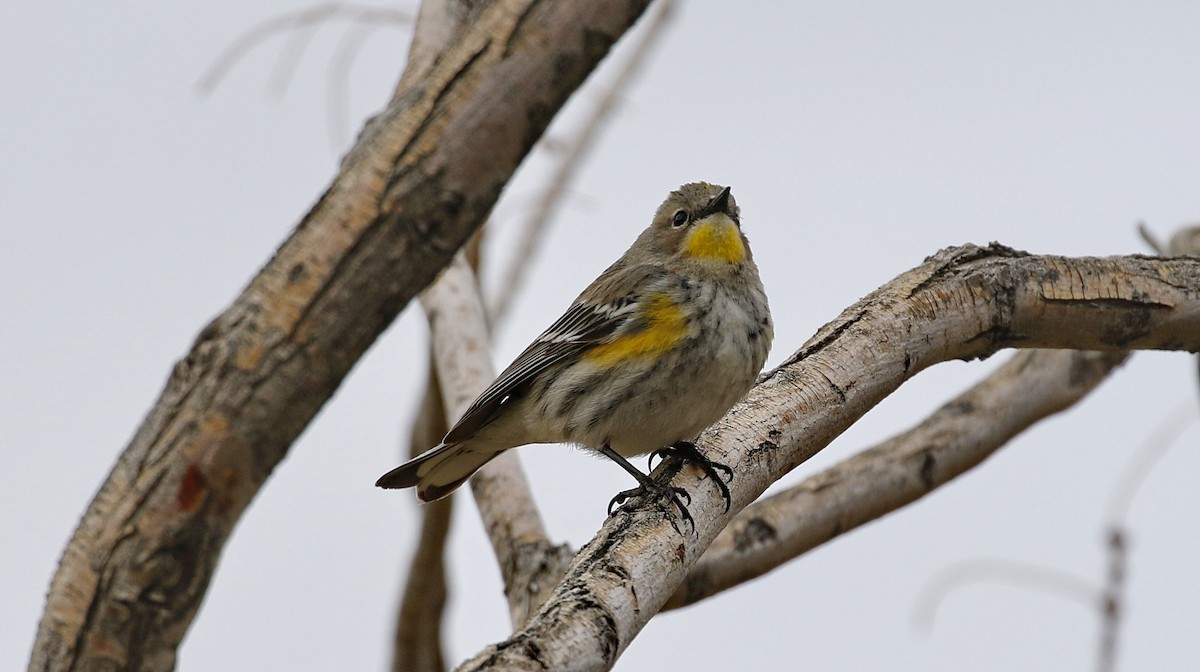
(962, 303)
(958, 437)
(532, 564)
(406, 197)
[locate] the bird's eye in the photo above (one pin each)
(680, 218)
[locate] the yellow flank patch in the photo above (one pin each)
(665, 326)
(716, 238)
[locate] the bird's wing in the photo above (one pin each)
(584, 325)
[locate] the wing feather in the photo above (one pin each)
(584, 325)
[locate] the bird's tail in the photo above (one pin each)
(438, 471)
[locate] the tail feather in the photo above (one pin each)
(438, 471)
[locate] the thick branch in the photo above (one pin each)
(406, 197)
(959, 436)
(962, 303)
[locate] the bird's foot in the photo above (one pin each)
(652, 489)
(686, 451)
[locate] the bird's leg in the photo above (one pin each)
(646, 485)
(687, 452)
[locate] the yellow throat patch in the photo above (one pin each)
(665, 326)
(716, 238)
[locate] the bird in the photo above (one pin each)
(658, 348)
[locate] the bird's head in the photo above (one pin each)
(700, 222)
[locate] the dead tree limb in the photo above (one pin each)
(962, 303)
(417, 638)
(529, 562)
(959, 436)
(407, 196)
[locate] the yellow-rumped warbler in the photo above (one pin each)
(654, 351)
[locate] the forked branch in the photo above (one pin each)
(962, 303)
(404, 200)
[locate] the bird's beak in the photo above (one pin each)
(717, 204)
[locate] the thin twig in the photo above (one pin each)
(295, 43)
(364, 22)
(253, 37)
(301, 22)
(1151, 240)
(1112, 600)
(533, 230)
(1165, 434)
(1011, 572)
(417, 645)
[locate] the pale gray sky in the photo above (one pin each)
(858, 137)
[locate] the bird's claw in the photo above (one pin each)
(676, 496)
(687, 452)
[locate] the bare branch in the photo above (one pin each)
(417, 643)
(300, 24)
(238, 49)
(528, 577)
(510, 516)
(297, 39)
(959, 436)
(418, 635)
(405, 199)
(1034, 577)
(1151, 240)
(1113, 600)
(962, 303)
(1110, 604)
(458, 330)
(1186, 241)
(1165, 434)
(366, 21)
